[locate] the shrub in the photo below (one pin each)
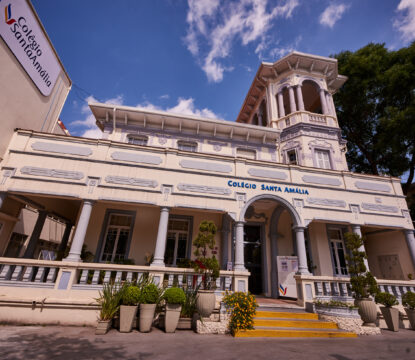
(109, 300)
(386, 299)
(150, 294)
(189, 306)
(408, 300)
(174, 295)
(131, 295)
(335, 303)
(243, 309)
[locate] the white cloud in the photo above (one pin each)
(332, 14)
(279, 52)
(406, 21)
(164, 97)
(214, 26)
(90, 129)
(184, 107)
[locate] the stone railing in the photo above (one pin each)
(311, 288)
(305, 117)
(61, 275)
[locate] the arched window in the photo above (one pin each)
(263, 114)
(311, 97)
(286, 99)
(255, 119)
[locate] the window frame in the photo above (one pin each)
(181, 143)
(253, 151)
(189, 243)
(323, 151)
(140, 137)
(335, 257)
(287, 156)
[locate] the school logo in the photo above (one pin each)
(283, 290)
(8, 15)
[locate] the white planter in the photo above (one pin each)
(205, 302)
(172, 317)
(102, 327)
(337, 311)
(127, 316)
(146, 316)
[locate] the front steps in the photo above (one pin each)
(295, 323)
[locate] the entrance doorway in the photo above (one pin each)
(253, 257)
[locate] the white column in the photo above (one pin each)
(80, 232)
(410, 241)
(323, 101)
(34, 238)
(225, 240)
(2, 198)
(239, 246)
(356, 230)
(161, 238)
(300, 98)
(281, 109)
(328, 102)
(301, 253)
(293, 107)
(272, 104)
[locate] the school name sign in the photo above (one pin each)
(268, 187)
(22, 33)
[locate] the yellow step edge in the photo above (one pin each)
(296, 324)
(294, 333)
(286, 315)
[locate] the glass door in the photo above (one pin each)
(116, 238)
(176, 245)
(253, 257)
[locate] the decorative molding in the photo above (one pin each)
(382, 208)
(36, 171)
(137, 158)
(208, 166)
(166, 190)
(365, 185)
(321, 180)
(187, 206)
(298, 203)
(204, 189)
(407, 216)
(7, 173)
(355, 209)
(129, 200)
(271, 174)
(92, 182)
(61, 149)
(327, 202)
(241, 199)
(123, 180)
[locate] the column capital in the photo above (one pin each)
(165, 208)
(409, 232)
(299, 228)
(89, 201)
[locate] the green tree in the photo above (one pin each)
(376, 110)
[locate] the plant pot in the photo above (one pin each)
(367, 311)
(102, 327)
(146, 316)
(184, 324)
(391, 316)
(205, 302)
(411, 317)
(127, 315)
(172, 317)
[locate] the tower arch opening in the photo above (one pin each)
(311, 97)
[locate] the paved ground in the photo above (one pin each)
(56, 342)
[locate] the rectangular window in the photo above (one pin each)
(116, 237)
(187, 146)
(323, 159)
(15, 245)
(292, 157)
(138, 140)
(177, 241)
(338, 252)
(246, 153)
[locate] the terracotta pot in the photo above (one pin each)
(127, 315)
(102, 327)
(367, 311)
(172, 317)
(411, 317)
(205, 302)
(391, 316)
(146, 316)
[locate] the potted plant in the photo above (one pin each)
(390, 314)
(335, 308)
(408, 301)
(188, 309)
(174, 298)
(362, 282)
(109, 300)
(149, 297)
(128, 309)
(207, 266)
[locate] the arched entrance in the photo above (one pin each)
(268, 226)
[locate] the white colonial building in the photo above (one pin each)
(275, 182)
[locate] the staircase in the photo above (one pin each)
(292, 323)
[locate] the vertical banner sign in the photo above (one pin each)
(23, 35)
(287, 267)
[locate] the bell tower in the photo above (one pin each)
(295, 95)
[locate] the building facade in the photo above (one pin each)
(275, 182)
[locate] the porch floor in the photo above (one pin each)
(265, 302)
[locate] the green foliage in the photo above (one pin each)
(131, 295)
(150, 294)
(376, 108)
(189, 305)
(362, 282)
(174, 295)
(243, 309)
(109, 300)
(207, 266)
(335, 303)
(408, 300)
(386, 299)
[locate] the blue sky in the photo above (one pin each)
(200, 56)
